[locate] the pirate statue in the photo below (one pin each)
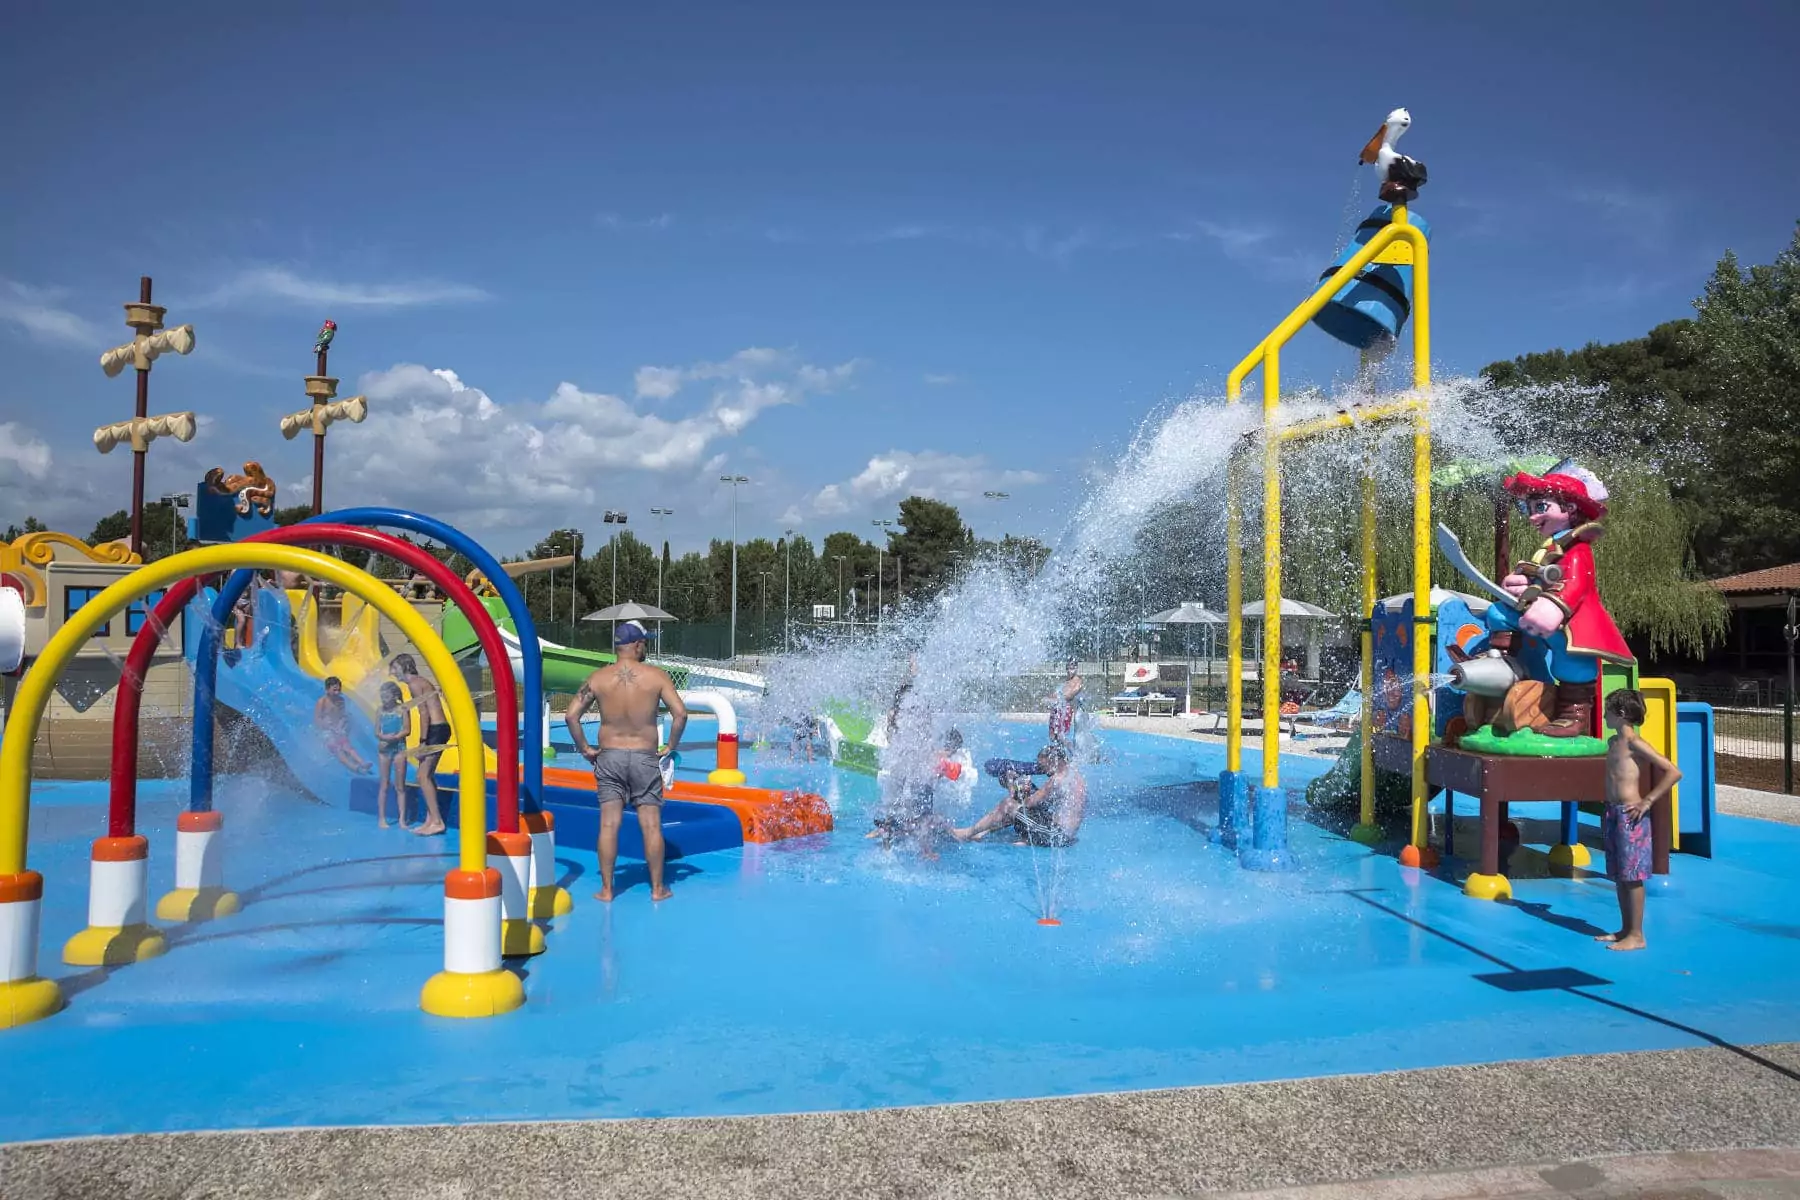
(1555, 599)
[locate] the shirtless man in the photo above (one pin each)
(1625, 827)
(1049, 814)
(432, 741)
(628, 762)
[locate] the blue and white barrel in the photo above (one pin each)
(1373, 306)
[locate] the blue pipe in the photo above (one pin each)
(206, 658)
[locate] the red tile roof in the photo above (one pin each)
(1769, 579)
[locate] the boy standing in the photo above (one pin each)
(1625, 828)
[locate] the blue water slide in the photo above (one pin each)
(266, 684)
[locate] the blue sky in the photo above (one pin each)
(594, 256)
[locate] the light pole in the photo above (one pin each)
(840, 604)
(174, 500)
(661, 536)
(609, 517)
(866, 581)
(574, 574)
(763, 597)
(615, 518)
(880, 551)
(787, 595)
(735, 481)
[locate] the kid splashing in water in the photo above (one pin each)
(1625, 829)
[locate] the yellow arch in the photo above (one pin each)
(35, 690)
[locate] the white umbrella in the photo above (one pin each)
(631, 610)
(1300, 610)
(1192, 612)
(1291, 608)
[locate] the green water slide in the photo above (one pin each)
(565, 668)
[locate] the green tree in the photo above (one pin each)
(293, 514)
(1748, 334)
(165, 531)
(932, 536)
(859, 560)
(32, 525)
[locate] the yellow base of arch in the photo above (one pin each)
(114, 945)
(488, 994)
(198, 904)
(23, 1001)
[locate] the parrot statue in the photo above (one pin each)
(327, 331)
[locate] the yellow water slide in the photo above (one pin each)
(358, 652)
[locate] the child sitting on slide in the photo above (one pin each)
(333, 724)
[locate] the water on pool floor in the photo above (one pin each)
(829, 973)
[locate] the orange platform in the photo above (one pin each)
(767, 814)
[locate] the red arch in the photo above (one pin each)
(122, 811)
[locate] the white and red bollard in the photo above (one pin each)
(543, 897)
(200, 893)
(24, 997)
(119, 930)
(472, 983)
(510, 854)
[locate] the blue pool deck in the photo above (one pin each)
(827, 973)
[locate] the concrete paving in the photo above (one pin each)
(1415, 1134)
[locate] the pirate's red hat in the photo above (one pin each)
(1565, 482)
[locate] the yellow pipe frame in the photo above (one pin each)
(35, 689)
(1267, 355)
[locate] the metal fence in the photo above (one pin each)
(1753, 734)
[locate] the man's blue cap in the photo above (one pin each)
(628, 632)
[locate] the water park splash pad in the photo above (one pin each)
(1199, 929)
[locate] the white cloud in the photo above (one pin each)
(280, 283)
(620, 223)
(950, 477)
(38, 313)
(30, 485)
(746, 367)
(932, 380)
(658, 383)
(1253, 246)
(437, 444)
(24, 457)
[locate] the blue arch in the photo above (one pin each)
(531, 702)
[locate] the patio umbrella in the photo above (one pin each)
(1299, 610)
(1192, 612)
(631, 610)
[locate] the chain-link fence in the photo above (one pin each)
(1753, 732)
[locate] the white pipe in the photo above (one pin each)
(715, 702)
(12, 630)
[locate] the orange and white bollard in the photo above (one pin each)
(543, 897)
(726, 771)
(24, 997)
(510, 854)
(200, 893)
(119, 930)
(472, 983)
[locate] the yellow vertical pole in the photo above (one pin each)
(1234, 613)
(1271, 664)
(1365, 830)
(1423, 643)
